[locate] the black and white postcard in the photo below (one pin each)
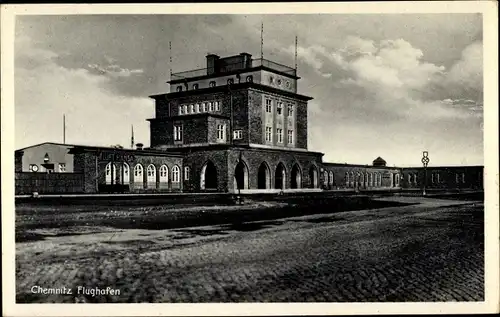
(292, 158)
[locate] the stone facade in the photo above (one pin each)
(361, 177)
(443, 177)
(241, 125)
(134, 170)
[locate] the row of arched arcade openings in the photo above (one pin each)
(266, 178)
(149, 177)
(170, 178)
(371, 179)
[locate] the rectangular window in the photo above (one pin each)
(290, 110)
(177, 132)
(279, 133)
(217, 106)
(211, 106)
(269, 134)
(191, 108)
(180, 110)
(279, 108)
(62, 167)
(269, 105)
(204, 105)
(185, 109)
(238, 134)
(221, 132)
(186, 173)
(290, 136)
(197, 108)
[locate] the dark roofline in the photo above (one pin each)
(448, 166)
(189, 116)
(94, 147)
(144, 151)
(357, 165)
(35, 145)
(402, 168)
(224, 88)
(234, 72)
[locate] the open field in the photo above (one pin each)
(395, 249)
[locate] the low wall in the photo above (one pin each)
(43, 183)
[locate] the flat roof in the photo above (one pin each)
(96, 147)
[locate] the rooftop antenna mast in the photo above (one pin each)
(262, 40)
(296, 42)
(132, 137)
(64, 128)
(170, 57)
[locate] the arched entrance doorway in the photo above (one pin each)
(296, 180)
(313, 177)
(241, 176)
(280, 177)
(263, 177)
(208, 176)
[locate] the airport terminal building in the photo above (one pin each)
(237, 125)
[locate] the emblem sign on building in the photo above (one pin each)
(113, 156)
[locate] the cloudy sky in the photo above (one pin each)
(383, 85)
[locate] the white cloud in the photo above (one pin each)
(392, 64)
(355, 46)
(466, 74)
(114, 70)
(93, 114)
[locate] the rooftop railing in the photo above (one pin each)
(225, 68)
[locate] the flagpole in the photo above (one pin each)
(132, 137)
(64, 128)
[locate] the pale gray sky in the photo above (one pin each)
(383, 85)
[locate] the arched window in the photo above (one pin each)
(371, 179)
(230, 81)
(151, 173)
(347, 179)
(187, 173)
(415, 178)
(163, 174)
(126, 174)
(325, 178)
(195, 86)
(138, 174)
(176, 174)
(409, 178)
(179, 88)
(249, 79)
(212, 84)
(331, 178)
(110, 174)
(352, 179)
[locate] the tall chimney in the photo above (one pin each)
(246, 60)
(212, 63)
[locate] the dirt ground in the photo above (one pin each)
(395, 249)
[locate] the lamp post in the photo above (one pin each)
(425, 161)
(46, 163)
(238, 181)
